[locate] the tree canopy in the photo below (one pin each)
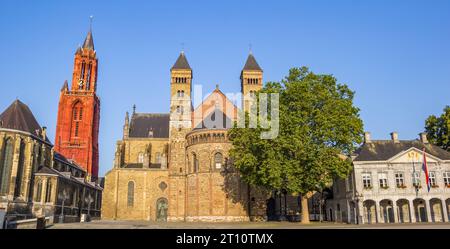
(319, 127)
(438, 129)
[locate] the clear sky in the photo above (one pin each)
(394, 54)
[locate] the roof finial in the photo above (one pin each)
(182, 48)
(250, 48)
(217, 86)
(134, 108)
(90, 22)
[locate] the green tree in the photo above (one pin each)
(319, 127)
(438, 129)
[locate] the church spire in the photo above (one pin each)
(89, 41)
(251, 64)
(182, 62)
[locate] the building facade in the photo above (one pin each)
(79, 111)
(388, 184)
(35, 180)
(176, 166)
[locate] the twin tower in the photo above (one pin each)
(181, 88)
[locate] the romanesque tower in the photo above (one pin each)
(180, 125)
(79, 111)
(251, 81)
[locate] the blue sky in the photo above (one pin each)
(394, 54)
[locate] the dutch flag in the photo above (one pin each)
(425, 169)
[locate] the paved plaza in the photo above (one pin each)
(103, 224)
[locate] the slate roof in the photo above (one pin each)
(89, 41)
(381, 150)
(142, 123)
(210, 121)
(251, 64)
(19, 117)
(181, 62)
(62, 158)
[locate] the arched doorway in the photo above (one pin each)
(436, 210)
(388, 211)
(420, 210)
(404, 211)
(370, 211)
(271, 206)
(162, 205)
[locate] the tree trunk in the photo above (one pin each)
(305, 211)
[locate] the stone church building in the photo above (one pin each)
(176, 166)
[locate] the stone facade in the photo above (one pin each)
(388, 184)
(196, 181)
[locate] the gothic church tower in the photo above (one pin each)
(79, 111)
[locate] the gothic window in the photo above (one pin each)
(77, 116)
(181, 93)
(39, 191)
(83, 68)
(88, 79)
(48, 191)
(218, 160)
(141, 157)
(178, 109)
(6, 165)
(20, 169)
(130, 197)
(158, 157)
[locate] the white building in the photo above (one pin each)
(388, 185)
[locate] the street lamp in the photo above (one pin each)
(356, 198)
(64, 196)
(89, 200)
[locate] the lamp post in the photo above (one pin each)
(356, 198)
(89, 200)
(64, 195)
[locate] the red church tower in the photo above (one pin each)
(79, 111)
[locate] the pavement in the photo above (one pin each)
(109, 224)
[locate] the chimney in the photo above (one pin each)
(44, 133)
(423, 137)
(367, 137)
(394, 137)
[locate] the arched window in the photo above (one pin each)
(6, 165)
(195, 163)
(20, 170)
(48, 191)
(130, 198)
(83, 68)
(77, 116)
(39, 191)
(181, 93)
(218, 160)
(141, 157)
(88, 78)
